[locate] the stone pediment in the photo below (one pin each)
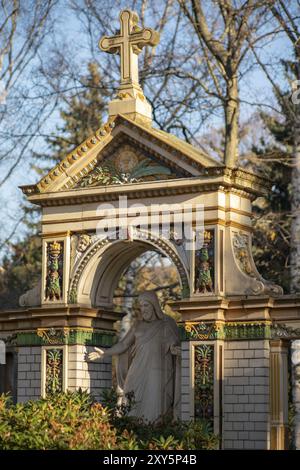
(126, 163)
(123, 152)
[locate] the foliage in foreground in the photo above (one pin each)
(164, 435)
(76, 421)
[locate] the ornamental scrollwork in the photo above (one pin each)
(54, 371)
(53, 336)
(281, 330)
(204, 383)
(11, 340)
(242, 253)
(201, 331)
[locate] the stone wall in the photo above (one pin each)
(212, 371)
(185, 381)
(246, 395)
(246, 389)
(29, 373)
(91, 376)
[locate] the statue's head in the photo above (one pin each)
(149, 306)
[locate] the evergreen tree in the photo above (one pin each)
(272, 213)
(21, 268)
(80, 119)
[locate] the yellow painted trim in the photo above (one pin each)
(56, 234)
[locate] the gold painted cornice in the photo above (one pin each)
(57, 316)
(99, 139)
(228, 309)
(56, 234)
(218, 179)
(195, 163)
(283, 310)
(207, 220)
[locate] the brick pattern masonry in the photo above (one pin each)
(185, 382)
(91, 376)
(246, 395)
(29, 373)
(246, 386)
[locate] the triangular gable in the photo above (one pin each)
(147, 152)
(124, 161)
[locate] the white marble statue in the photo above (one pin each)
(153, 374)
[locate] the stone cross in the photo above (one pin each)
(129, 43)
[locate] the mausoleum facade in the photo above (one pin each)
(239, 332)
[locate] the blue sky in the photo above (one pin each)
(254, 88)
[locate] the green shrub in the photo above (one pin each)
(166, 434)
(76, 421)
(64, 421)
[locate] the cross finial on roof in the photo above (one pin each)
(129, 43)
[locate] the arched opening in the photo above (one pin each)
(98, 274)
(112, 272)
(151, 270)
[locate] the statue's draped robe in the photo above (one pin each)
(153, 374)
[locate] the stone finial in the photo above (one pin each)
(129, 43)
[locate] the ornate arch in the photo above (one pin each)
(100, 246)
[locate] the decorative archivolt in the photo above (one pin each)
(139, 235)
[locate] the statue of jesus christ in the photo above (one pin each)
(154, 372)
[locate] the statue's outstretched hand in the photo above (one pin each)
(175, 350)
(96, 354)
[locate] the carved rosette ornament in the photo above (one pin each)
(54, 277)
(126, 160)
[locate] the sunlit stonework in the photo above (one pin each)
(230, 345)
